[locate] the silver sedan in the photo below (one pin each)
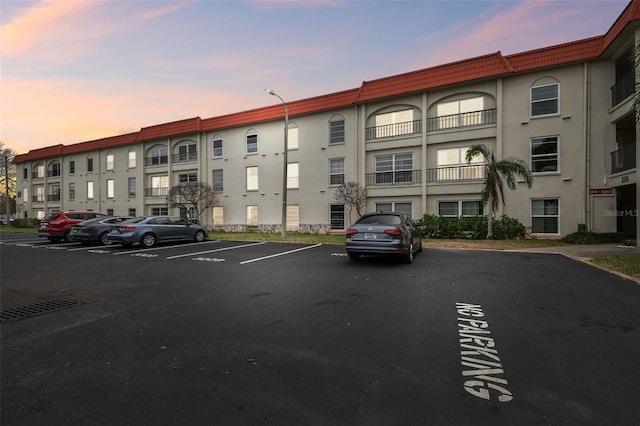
(150, 230)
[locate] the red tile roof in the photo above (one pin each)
(482, 67)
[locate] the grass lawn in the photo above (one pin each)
(628, 264)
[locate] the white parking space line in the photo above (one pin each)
(279, 254)
(219, 249)
(13, 242)
(59, 246)
(160, 248)
(92, 246)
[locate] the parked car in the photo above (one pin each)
(384, 234)
(150, 230)
(3, 220)
(57, 226)
(95, 230)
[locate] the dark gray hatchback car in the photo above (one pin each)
(384, 234)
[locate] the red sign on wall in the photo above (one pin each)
(601, 191)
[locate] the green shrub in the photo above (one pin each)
(471, 227)
(588, 237)
(508, 228)
(25, 223)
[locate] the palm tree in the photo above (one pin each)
(498, 172)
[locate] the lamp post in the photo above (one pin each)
(284, 174)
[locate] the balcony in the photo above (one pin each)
(393, 130)
(456, 173)
(156, 192)
(156, 161)
(625, 86)
(623, 159)
(53, 197)
(403, 177)
(467, 119)
(184, 157)
(37, 198)
(53, 173)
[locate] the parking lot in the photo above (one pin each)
(248, 332)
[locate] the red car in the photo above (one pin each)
(57, 226)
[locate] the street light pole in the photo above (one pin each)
(286, 149)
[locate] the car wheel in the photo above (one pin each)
(67, 236)
(408, 258)
(420, 247)
(199, 237)
(103, 239)
(148, 240)
(354, 256)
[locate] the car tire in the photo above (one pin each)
(103, 240)
(148, 240)
(408, 258)
(420, 248)
(67, 237)
(199, 236)
(354, 256)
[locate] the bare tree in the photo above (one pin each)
(353, 195)
(198, 195)
(7, 178)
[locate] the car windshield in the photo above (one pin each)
(384, 219)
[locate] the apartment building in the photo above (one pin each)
(568, 110)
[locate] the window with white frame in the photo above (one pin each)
(72, 191)
(218, 216)
(394, 169)
(159, 211)
(460, 113)
(545, 215)
(293, 217)
(544, 154)
(252, 215)
(72, 167)
(159, 186)
(218, 180)
(394, 123)
(89, 190)
(252, 178)
(293, 177)
(25, 194)
(131, 163)
(39, 194)
(216, 148)
(292, 137)
(110, 212)
(38, 171)
(159, 155)
(337, 216)
(54, 169)
(187, 177)
(544, 99)
(252, 144)
(187, 152)
(401, 207)
(455, 209)
(452, 165)
(132, 186)
(132, 212)
(89, 164)
(110, 188)
(25, 173)
(336, 130)
(110, 161)
(336, 171)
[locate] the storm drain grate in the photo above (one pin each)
(37, 309)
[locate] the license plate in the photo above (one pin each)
(370, 236)
(114, 231)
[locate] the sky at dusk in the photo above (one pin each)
(78, 70)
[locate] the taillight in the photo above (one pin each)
(394, 232)
(127, 228)
(351, 231)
